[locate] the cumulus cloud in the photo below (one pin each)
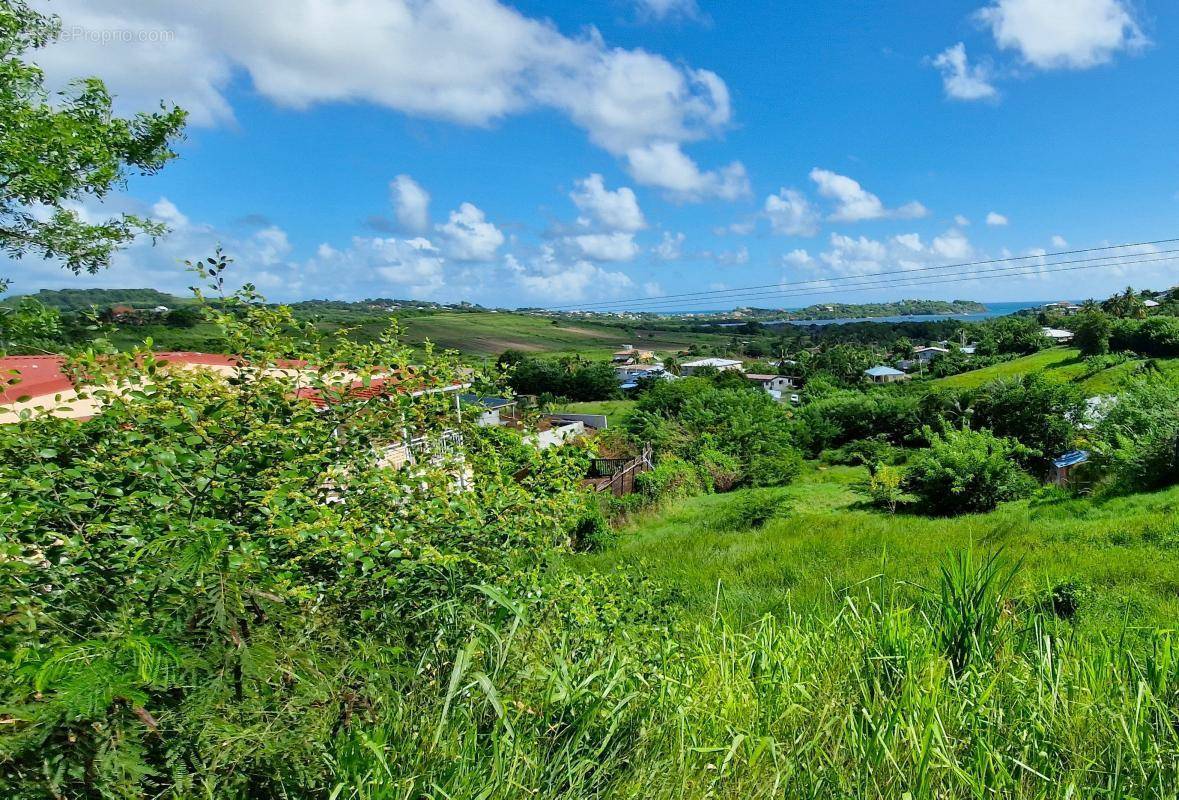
(1063, 34)
(961, 221)
(471, 62)
(961, 80)
(732, 258)
(995, 219)
(791, 214)
(854, 203)
(469, 236)
(1059, 242)
(616, 210)
(411, 203)
(851, 256)
(548, 279)
(671, 247)
(616, 246)
(797, 258)
(665, 165)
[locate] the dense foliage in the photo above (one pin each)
(57, 150)
(570, 379)
(966, 471)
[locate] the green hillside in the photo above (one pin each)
(1059, 363)
(491, 333)
(1121, 555)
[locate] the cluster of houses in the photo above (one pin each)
(633, 365)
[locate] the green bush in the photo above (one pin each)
(1137, 441)
(720, 471)
(672, 477)
(774, 468)
(593, 532)
(966, 471)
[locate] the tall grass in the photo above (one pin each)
(964, 696)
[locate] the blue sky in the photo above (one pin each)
(551, 154)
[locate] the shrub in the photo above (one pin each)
(1037, 412)
(593, 532)
(774, 469)
(1092, 333)
(966, 471)
(671, 477)
(885, 487)
(719, 470)
(1137, 441)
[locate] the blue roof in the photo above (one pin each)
(1071, 459)
(629, 385)
(879, 372)
(487, 402)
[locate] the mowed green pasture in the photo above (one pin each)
(616, 411)
(1064, 364)
(1120, 556)
(491, 334)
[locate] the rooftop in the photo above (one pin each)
(882, 371)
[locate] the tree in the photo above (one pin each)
(1127, 305)
(1036, 411)
(183, 317)
(56, 150)
(966, 471)
(1092, 331)
(30, 326)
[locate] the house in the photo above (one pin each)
(631, 355)
(1063, 307)
(776, 385)
(1063, 467)
(927, 354)
(1150, 303)
(629, 375)
(719, 364)
(883, 374)
(1057, 335)
(488, 408)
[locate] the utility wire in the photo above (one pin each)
(720, 293)
(1028, 271)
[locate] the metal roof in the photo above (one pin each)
(1071, 459)
(880, 372)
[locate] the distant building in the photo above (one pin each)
(927, 354)
(490, 408)
(1058, 335)
(882, 374)
(1062, 468)
(719, 364)
(1063, 307)
(632, 355)
(629, 375)
(1150, 303)
(775, 385)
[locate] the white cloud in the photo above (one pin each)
(414, 264)
(732, 258)
(616, 246)
(854, 203)
(470, 237)
(1059, 242)
(952, 245)
(665, 9)
(849, 256)
(616, 210)
(165, 211)
(671, 247)
(665, 165)
(1063, 34)
(468, 61)
(550, 280)
(798, 258)
(270, 245)
(411, 203)
(791, 214)
(961, 80)
(864, 256)
(995, 219)
(961, 221)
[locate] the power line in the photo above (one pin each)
(1029, 271)
(877, 282)
(719, 293)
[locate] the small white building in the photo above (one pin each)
(927, 354)
(776, 385)
(1058, 335)
(883, 374)
(719, 364)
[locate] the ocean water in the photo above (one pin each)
(993, 310)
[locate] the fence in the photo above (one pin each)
(620, 471)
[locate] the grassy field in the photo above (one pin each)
(1121, 555)
(491, 334)
(1064, 364)
(615, 410)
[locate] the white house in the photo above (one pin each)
(1058, 335)
(719, 364)
(630, 374)
(927, 354)
(882, 374)
(776, 385)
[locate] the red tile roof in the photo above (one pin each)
(31, 376)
